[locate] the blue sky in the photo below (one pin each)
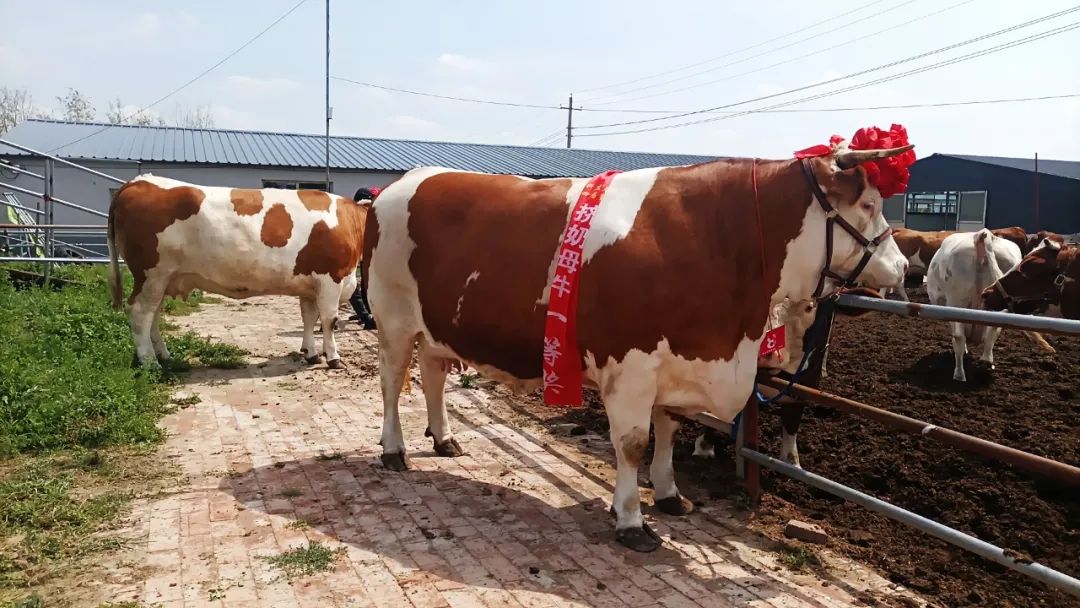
(538, 52)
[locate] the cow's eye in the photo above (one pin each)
(868, 206)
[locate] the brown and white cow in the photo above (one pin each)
(670, 311)
(176, 237)
(1046, 281)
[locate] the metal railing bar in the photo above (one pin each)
(57, 260)
(9, 166)
(56, 226)
(1046, 325)
(79, 207)
(1009, 559)
(66, 162)
(18, 206)
(1053, 469)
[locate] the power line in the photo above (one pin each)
(761, 54)
(867, 108)
(549, 138)
(845, 77)
(448, 97)
(190, 82)
(976, 54)
(798, 57)
(730, 53)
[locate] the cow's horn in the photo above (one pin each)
(853, 158)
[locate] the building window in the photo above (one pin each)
(296, 185)
(932, 203)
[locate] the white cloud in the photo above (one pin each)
(254, 86)
(463, 63)
(413, 125)
(144, 26)
(189, 19)
(226, 117)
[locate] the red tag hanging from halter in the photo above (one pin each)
(563, 376)
(775, 340)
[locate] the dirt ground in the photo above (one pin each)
(278, 455)
(1031, 402)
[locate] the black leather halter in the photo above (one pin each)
(833, 217)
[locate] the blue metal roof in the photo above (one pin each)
(220, 146)
(1062, 168)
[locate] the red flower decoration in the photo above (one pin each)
(889, 175)
(375, 192)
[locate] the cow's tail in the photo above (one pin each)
(116, 283)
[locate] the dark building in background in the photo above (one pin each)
(962, 192)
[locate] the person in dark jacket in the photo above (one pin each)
(358, 299)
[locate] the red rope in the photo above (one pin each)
(761, 236)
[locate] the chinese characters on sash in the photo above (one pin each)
(563, 375)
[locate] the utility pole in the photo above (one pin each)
(1037, 192)
(569, 107)
(329, 110)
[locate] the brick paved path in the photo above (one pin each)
(520, 521)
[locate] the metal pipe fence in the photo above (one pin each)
(1057, 471)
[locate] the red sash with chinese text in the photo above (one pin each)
(563, 375)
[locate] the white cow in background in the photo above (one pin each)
(965, 265)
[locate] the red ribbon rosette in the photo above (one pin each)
(889, 175)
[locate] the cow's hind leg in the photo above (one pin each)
(309, 314)
(327, 302)
(990, 336)
(661, 472)
(160, 349)
(145, 307)
(959, 339)
(395, 353)
(433, 371)
(629, 404)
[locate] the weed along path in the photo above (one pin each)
(285, 502)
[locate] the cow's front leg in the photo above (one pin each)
(959, 340)
(661, 472)
(629, 404)
(790, 419)
(327, 302)
(309, 314)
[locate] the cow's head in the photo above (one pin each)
(845, 181)
(1038, 283)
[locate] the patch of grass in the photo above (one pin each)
(299, 524)
(305, 561)
(195, 350)
(798, 558)
(468, 379)
(186, 401)
(324, 457)
(32, 601)
(52, 509)
(177, 307)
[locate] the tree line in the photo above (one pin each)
(17, 105)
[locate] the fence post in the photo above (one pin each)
(749, 430)
(47, 199)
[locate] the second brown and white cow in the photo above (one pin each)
(176, 237)
(1047, 281)
(672, 305)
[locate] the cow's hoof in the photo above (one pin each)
(336, 364)
(315, 360)
(449, 448)
(396, 461)
(677, 505)
(642, 539)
